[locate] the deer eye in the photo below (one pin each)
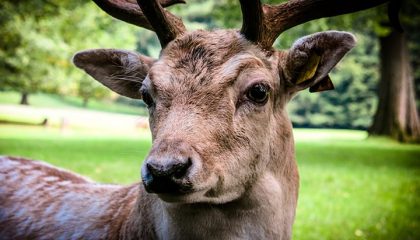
(145, 96)
(258, 93)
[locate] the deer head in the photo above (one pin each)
(217, 99)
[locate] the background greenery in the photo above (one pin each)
(37, 45)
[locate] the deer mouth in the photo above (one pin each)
(167, 186)
(180, 190)
(176, 191)
(207, 191)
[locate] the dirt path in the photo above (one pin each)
(78, 118)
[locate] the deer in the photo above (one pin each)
(222, 162)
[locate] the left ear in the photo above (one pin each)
(311, 58)
(121, 71)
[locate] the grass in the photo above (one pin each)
(57, 101)
(104, 158)
(351, 188)
(362, 189)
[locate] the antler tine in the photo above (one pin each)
(130, 11)
(292, 13)
(166, 25)
(274, 20)
(252, 16)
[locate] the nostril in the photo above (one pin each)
(176, 168)
(181, 169)
(154, 170)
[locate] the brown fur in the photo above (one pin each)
(243, 178)
(39, 201)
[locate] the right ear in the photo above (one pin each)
(121, 71)
(311, 58)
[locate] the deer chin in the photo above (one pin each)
(209, 193)
(187, 198)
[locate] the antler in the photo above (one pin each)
(147, 14)
(262, 24)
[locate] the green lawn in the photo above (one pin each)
(57, 101)
(351, 188)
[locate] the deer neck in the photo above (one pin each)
(265, 211)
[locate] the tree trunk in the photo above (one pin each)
(24, 98)
(396, 115)
(85, 102)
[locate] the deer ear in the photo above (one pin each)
(311, 58)
(119, 70)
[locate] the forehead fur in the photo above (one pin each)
(211, 48)
(201, 57)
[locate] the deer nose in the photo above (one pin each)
(166, 176)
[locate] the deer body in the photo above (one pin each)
(39, 201)
(222, 163)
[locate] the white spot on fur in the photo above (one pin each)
(28, 180)
(50, 179)
(64, 183)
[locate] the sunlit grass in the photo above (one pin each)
(109, 157)
(352, 187)
(357, 189)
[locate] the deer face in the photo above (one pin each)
(208, 95)
(216, 105)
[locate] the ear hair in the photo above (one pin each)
(311, 58)
(308, 71)
(119, 70)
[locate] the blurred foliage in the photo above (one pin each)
(37, 46)
(353, 102)
(25, 52)
(40, 36)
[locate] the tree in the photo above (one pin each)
(36, 46)
(82, 27)
(22, 49)
(397, 114)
